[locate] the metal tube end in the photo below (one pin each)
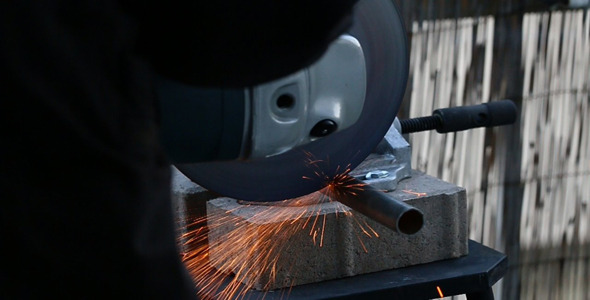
(410, 221)
(377, 205)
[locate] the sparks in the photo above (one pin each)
(250, 257)
(440, 293)
(414, 193)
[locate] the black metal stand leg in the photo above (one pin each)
(488, 294)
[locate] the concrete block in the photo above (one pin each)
(276, 246)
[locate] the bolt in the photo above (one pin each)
(323, 128)
(376, 174)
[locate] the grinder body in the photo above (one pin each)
(333, 113)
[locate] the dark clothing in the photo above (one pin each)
(85, 187)
(239, 42)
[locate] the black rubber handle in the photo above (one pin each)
(497, 113)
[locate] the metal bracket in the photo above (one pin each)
(389, 163)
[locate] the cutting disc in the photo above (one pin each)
(380, 30)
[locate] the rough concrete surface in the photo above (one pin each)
(188, 200)
(266, 257)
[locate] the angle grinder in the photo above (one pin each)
(292, 136)
(336, 111)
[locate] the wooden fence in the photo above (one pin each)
(528, 184)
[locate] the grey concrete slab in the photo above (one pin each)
(328, 241)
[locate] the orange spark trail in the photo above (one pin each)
(250, 252)
(414, 193)
(439, 291)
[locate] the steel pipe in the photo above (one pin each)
(379, 206)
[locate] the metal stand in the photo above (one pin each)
(473, 275)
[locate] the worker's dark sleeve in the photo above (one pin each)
(237, 42)
(85, 208)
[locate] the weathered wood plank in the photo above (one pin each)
(554, 133)
(443, 70)
(555, 158)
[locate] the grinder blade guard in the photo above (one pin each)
(379, 30)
